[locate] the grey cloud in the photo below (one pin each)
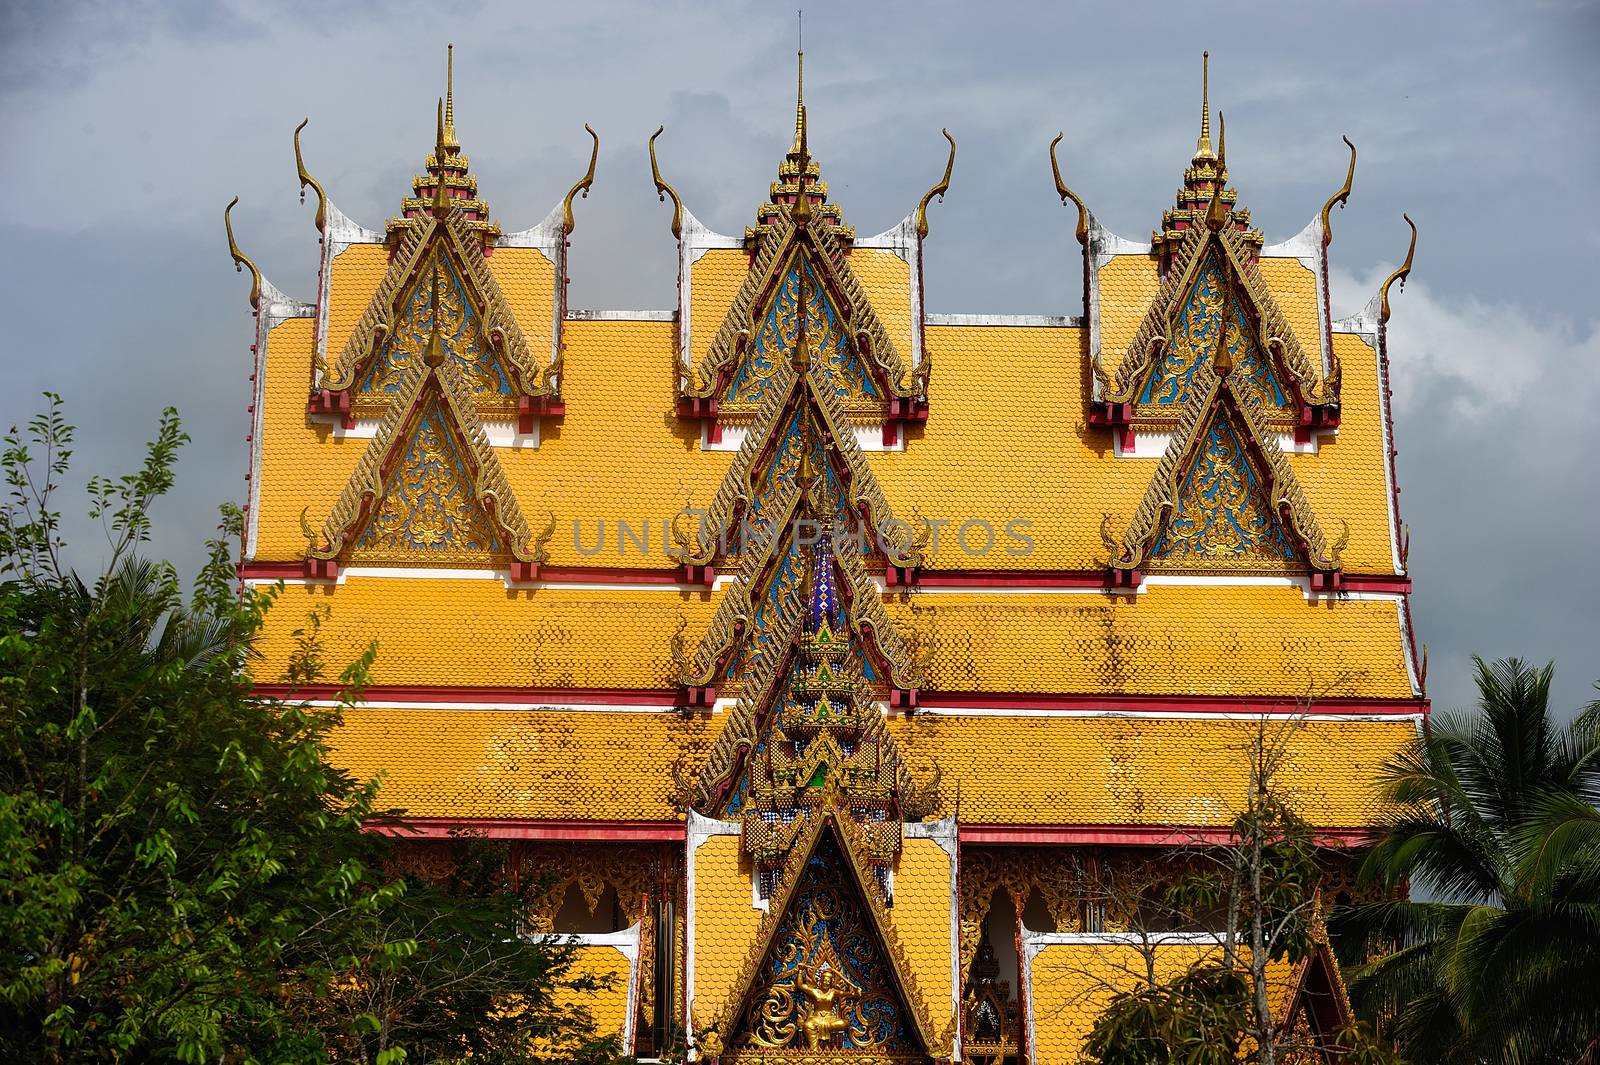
(134, 123)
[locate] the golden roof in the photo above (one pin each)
(1242, 642)
(558, 565)
(609, 765)
(1073, 983)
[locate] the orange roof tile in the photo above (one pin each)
(610, 765)
(1170, 640)
(1072, 984)
(922, 917)
(714, 280)
(304, 467)
(1245, 642)
(1127, 285)
(1144, 771)
(886, 279)
(534, 764)
(478, 632)
(725, 923)
(1346, 481)
(606, 1006)
(528, 280)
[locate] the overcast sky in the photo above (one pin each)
(128, 126)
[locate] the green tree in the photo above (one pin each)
(1496, 828)
(1256, 892)
(183, 876)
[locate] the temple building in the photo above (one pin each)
(840, 661)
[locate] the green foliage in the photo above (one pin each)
(1199, 1018)
(183, 876)
(1497, 829)
(1256, 894)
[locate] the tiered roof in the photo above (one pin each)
(1143, 510)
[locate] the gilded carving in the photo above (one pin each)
(438, 389)
(824, 982)
(1222, 514)
(429, 507)
(439, 291)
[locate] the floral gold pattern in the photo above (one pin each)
(1222, 513)
(460, 330)
(429, 508)
(825, 982)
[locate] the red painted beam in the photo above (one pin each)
(536, 829)
(1127, 835)
(445, 693)
(927, 700)
(976, 579)
(1168, 704)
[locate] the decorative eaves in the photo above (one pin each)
(379, 320)
(739, 326)
(490, 489)
(1283, 491)
(1274, 333)
(848, 836)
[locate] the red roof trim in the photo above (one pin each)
(1127, 835)
(1269, 704)
(926, 700)
(977, 579)
(969, 835)
(444, 693)
(523, 828)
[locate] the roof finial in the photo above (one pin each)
(441, 195)
(1217, 213)
(1202, 148)
(800, 86)
(1399, 275)
(433, 350)
(450, 96)
(241, 260)
(801, 211)
(1341, 197)
(1067, 194)
(307, 179)
(938, 190)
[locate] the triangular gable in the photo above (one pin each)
(1214, 286)
(829, 866)
(429, 489)
(818, 728)
(757, 509)
(481, 334)
(855, 352)
(1317, 1011)
(1223, 497)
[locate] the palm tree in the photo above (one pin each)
(1495, 827)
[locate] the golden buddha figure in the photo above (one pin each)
(828, 994)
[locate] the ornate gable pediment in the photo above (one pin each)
(798, 470)
(1214, 294)
(1223, 498)
(826, 972)
(429, 490)
(853, 349)
(437, 272)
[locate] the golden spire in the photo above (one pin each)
(447, 132)
(1202, 148)
(433, 351)
(441, 195)
(799, 99)
(801, 211)
(1217, 213)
